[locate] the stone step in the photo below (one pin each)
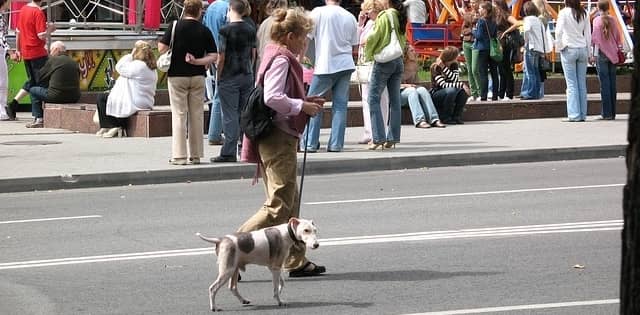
(157, 122)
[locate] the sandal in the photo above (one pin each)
(304, 271)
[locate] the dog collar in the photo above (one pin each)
(292, 234)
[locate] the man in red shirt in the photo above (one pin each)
(32, 32)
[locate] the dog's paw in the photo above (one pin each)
(215, 309)
(245, 302)
(282, 304)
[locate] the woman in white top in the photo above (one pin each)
(573, 37)
(134, 90)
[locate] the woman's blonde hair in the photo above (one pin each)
(449, 53)
(603, 6)
(142, 51)
(373, 5)
(293, 20)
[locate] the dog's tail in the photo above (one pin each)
(209, 239)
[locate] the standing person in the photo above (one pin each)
(606, 42)
(573, 39)
(470, 20)
(508, 34)
(486, 29)
(448, 92)
(31, 35)
(214, 18)
(59, 82)
(416, 11)
(534, 45)
(545, 17)
(264, 30)
(276, 152)
(367, 18)
(134, 90)
(236, 55)
(193, 49)
(387, 74)
(335, 33)
(4, 51)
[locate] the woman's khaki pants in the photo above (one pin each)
(186, 95)
(278, 154)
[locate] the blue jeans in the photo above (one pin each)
(420, 103)
(389, 75)
(531, 82)
(607, 77)
(339, 84)
(38, 95)
(215, 119)
(574, 66)
(233, 91)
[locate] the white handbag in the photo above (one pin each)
(164, 60)
(362, 74)
(391, 51)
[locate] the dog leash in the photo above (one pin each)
(304, 164)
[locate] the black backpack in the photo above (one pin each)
(256, 118)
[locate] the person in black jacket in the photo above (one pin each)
(59, 82)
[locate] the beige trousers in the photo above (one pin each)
(279, 157)
(186, 95)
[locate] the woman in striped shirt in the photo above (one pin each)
(449, 94)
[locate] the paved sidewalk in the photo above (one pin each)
(44, 159)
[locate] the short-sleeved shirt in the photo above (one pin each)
(335, 34)
(237, 40)
(191, 37)
(31, 22)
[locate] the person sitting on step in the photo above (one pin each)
(134, 90)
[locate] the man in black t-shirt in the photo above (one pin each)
(237, 51)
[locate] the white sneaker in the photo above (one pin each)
(477, 99)
(489, 95)
(506, 98)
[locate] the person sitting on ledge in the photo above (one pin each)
(423, 111)
(134, 90)
(59, 82)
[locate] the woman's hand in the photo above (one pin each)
(313, 105)
(189, 58)
(466, 89)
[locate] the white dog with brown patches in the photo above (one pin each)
(267, 247)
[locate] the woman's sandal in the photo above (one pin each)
(308, 270)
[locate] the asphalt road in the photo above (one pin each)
(536, 238)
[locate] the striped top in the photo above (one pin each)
(445, 77)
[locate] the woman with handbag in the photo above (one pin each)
(573, 40)
(606, 45)
(486, 30)
(192, 48)
(385, 46)
(368, 14)
(510, 37)
(534, 50)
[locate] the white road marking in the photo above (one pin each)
(592, 226)
(521, 307)
(479, 193)
(52, 219)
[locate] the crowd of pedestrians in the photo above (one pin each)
(226, 46)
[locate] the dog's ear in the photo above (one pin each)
(294, 223)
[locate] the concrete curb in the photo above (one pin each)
(336, 166)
